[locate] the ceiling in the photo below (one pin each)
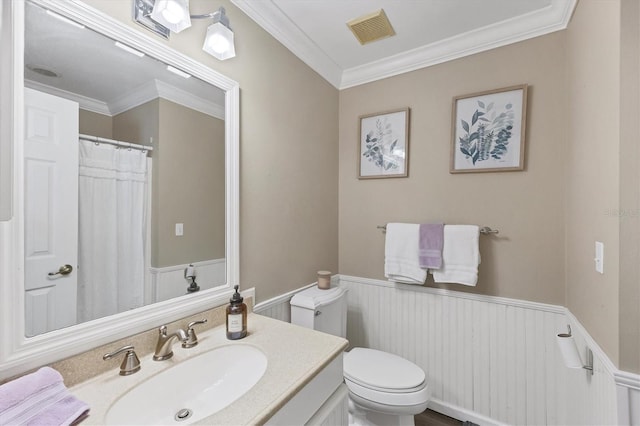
(428, 32)
(101, 77)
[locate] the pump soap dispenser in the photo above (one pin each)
(236, 317)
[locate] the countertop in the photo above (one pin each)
(295, 355)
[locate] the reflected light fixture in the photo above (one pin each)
(173, 15)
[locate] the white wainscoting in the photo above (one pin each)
(489, 360)
(169, 282)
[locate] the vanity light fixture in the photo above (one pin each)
(173, 16)
(219, 39)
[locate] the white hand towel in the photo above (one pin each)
(460, 255)
(401, 254)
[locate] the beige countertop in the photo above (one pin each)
(295, 355)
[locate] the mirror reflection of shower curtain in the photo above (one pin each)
(112, 214)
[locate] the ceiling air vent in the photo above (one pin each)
(371, 27)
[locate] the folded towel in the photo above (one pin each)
(460, 255)
(39, 398)
(401, 262)
(430, 245)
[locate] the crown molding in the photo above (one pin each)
(189, 100)
(85, 102)
(265, 13)
(554, 17)
(158, 89)
(143, 94)
(136, 97)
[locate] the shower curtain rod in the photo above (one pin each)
(122, 144)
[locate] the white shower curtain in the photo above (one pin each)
(112, 214)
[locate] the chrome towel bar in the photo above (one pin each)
(484, 230)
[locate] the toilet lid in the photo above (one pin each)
(382, 370)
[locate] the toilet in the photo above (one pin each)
(384, 389)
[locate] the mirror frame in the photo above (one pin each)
(19, 353)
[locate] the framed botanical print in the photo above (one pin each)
(383, 148)
(489, 131)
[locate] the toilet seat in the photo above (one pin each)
(382, 371)
(384, 378)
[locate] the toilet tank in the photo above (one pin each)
(322, 310)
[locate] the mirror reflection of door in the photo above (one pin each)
(51, 206)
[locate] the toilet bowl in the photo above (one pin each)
(389, 395)
(384, 389)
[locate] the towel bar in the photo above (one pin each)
(484, 230)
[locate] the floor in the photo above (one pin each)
(431, 418)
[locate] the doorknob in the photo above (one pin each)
(64, 270)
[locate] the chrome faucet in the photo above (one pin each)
(165, 342)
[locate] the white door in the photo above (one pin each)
(51, 211)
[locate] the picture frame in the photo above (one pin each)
(383, 145)
(488, 131)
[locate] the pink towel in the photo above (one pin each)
(430, 245)
(39, 398)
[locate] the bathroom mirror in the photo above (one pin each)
(170, 103)
(140, 220)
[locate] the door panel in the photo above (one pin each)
(51, 210)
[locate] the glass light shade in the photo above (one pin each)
(219, 42)
(172, 14)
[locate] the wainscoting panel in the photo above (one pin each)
(489, 360)
(280, 311)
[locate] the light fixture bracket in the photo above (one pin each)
(142, 15)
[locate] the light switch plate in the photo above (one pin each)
(179, 229)
(599, 259)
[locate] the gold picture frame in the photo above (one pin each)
(488, 131)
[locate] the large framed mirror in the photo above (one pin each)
(133, 220)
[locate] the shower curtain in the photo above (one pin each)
(112, 214)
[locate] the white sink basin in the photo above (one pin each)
(203, 385)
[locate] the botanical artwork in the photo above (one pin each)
(383, 145)
(489, 131)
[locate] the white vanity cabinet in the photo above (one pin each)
(323, 401)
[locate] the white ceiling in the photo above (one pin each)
(428, 32)
(100, 76)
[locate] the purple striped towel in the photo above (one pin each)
(39, 398)
(430, 245)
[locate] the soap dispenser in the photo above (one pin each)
(236, 317)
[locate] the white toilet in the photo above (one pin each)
(384, 389)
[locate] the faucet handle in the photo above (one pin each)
(130, 363)
(192, 339)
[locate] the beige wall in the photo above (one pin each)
(526, 260)
(190, 183)
(629, 217)
(188, 179)
(288, 151)
(592, 169)
(94, 124)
